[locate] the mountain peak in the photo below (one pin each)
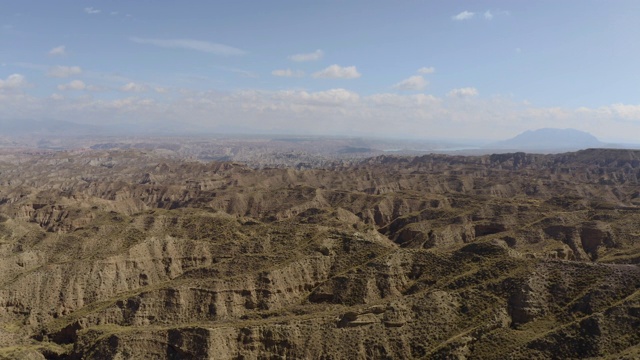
(549, 139)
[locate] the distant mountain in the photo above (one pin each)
(549, 139)
(22, 127)
(62, 128)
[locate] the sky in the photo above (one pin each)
(401, 68)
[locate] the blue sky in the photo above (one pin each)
(426, 69)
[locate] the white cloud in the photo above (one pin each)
(56, 96)
(338, 72)
(465, 15)
(58, 51)
(288, 73)
(413, 83)
(114, 13)
(161, 90)
(488, 15)
(133, 87)
(245, 73)
(426, 70)
(463, 92)
(90, 10)
(63, 71)
(190, 44)
(73, 85)
(13, 82)
(316, 55)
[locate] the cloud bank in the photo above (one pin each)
(463, 113)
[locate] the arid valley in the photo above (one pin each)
(129, 253)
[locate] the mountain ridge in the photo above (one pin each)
(549, 139)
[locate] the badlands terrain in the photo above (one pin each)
(111, 253)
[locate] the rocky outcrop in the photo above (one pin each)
(529, 301)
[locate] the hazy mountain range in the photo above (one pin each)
(21, 127)
(546, 140)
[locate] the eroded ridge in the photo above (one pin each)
(132, 254)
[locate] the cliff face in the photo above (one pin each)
(124, 254)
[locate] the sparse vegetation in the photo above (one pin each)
(391, 257)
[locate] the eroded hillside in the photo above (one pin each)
(129, 254)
